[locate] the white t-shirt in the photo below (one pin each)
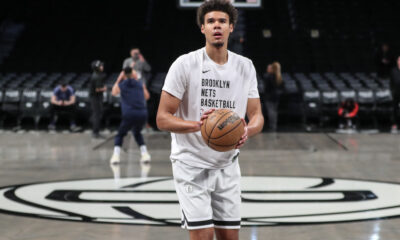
(201, 84)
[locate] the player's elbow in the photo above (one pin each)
(161, 121)
(259, 123)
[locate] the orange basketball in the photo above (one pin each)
(222, 130)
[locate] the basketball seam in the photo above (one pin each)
(212, 130)
(228, 131)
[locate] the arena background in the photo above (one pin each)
(307, 181)
(322, 46)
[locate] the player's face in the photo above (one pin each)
(216, 28)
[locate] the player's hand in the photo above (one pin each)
(196, 126)
(205, 115)
(244, 137)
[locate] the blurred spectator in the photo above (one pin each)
(134, 112)
(97, 88)
(395, 89)
(347, 111)
(273, 84)
(137, 62)
(384, 61)
(63, 104)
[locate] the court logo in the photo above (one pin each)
(266, 201)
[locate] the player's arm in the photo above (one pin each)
(256, 120)
(255, 116)
(166, 120)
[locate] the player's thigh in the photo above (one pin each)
(226, 199)
(194, 198)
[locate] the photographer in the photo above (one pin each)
(137, 63)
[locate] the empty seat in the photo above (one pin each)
(44, 104)
(157, 82)
(11, 102)
(366, 103)
(383, 101)
(1, 108)
(29, 106)
(114, 109)
(347, 94)
(311, 106)
(83, 104)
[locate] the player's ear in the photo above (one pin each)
(202, 28)
(231, 27)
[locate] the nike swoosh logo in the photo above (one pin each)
(206, 71)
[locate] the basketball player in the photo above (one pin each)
(134, 112)
(208, 182)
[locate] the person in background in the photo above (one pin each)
(134, 112)
(138, 63)
(273, 84)
(63, 104)
(395, 89)
(347, 111)
(97, 88)
(384, 61)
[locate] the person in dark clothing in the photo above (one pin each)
(134, 94)
(97, 88)
(395, 89)
(273, 84)
(347, 111)
(384, 61)
(63, 104)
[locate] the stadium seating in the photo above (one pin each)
(29, 106)
(11, 105)
(326, 49)
(27, 95)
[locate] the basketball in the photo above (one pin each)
(222, 130)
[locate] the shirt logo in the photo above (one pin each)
(206, 71)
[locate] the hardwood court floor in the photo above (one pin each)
(32, 157)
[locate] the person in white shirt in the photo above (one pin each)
(208, 182)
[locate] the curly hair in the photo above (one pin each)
(217, 5)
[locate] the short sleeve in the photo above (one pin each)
(253, 90)
(55, 91)
(71, 90)
(176, 79)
